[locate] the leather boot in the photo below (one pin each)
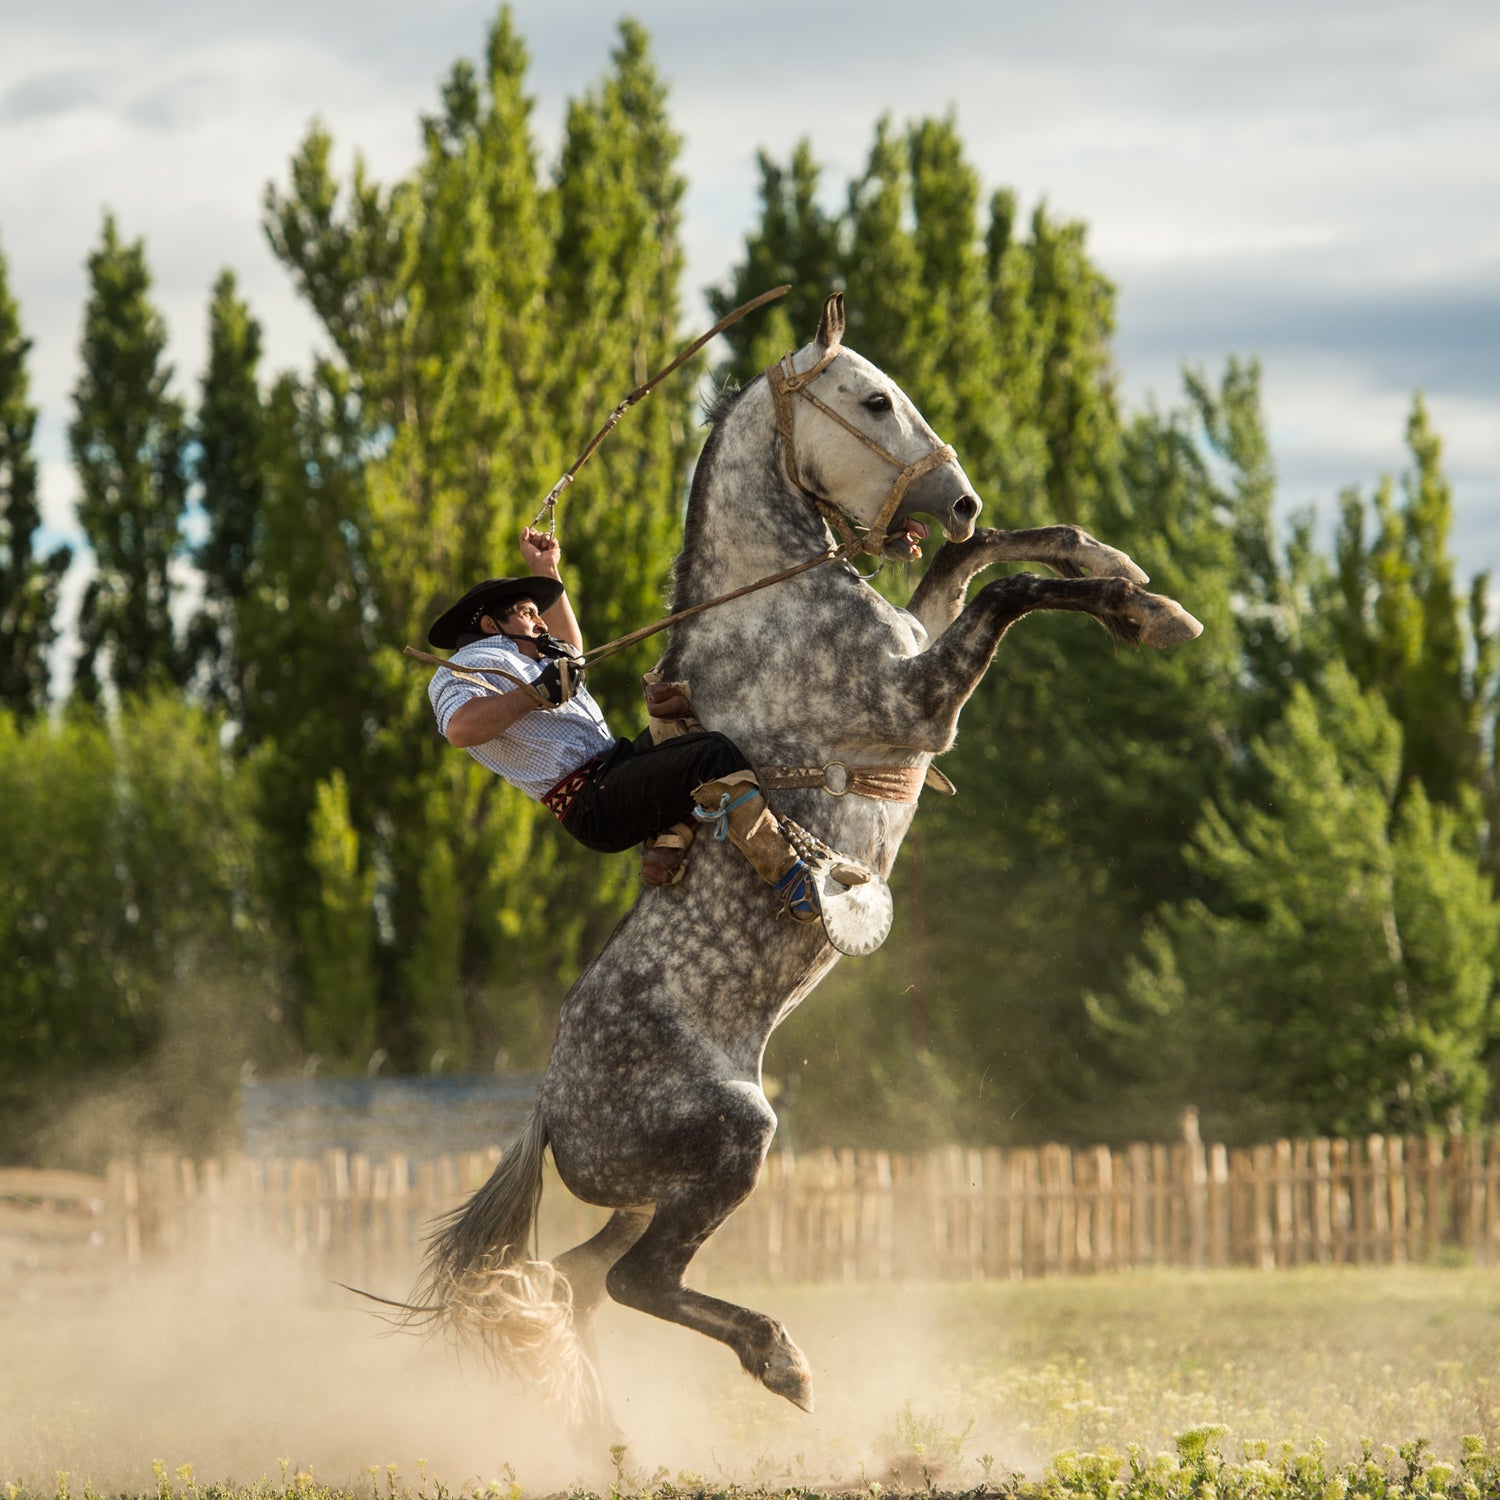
(669, 707)
(734, 807)
(664, 855)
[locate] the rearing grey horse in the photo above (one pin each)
(652, 1101)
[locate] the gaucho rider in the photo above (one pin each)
(608, 793)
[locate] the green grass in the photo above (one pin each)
(1195, 1468)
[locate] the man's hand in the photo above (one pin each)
(556, 682)
(541, 553)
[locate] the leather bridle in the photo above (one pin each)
(785, 383)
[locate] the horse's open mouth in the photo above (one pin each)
(905, 544)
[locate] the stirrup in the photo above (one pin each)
(855, 903)
(798, 890)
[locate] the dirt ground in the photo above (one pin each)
(238, 1373)
(240, 1370)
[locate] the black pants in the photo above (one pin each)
(639, 789)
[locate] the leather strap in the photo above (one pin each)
(839, 779)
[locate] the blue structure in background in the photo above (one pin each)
(423, 1117)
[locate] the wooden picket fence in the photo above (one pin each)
(953, 1213)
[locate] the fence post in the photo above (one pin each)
(1491, 1202)
(996, 1204)
(1219, 1210)
(1194, 1190)
(1380, 1200)
(1031, 1255)
(1142, 1243)
(1103, 1238)
(1322, 1191)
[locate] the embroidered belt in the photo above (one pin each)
(560, 798)
(839, 779)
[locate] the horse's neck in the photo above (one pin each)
(745, 520)
(751, 660)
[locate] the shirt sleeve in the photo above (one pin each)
(448, 694)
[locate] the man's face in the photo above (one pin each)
(521, 619)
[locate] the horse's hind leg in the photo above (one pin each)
(585, 1267)
(649, 1277)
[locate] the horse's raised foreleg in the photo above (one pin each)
(649, 1277)
(1068, 550)
(919, 702)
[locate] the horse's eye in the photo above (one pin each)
(878, 402)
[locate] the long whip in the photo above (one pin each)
(549, 505)
(549, 509)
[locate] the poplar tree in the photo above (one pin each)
(485, 322)
(1000, 330)
(1403, 626)
(338, 1019)
(617, 269)
(230, 470)
(129, 444)
(796, 242)
(29, 581)
(305, 643)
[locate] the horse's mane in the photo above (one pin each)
(720, 402)
(717, 405)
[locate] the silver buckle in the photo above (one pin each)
(841, 788)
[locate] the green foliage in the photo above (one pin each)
(28, 582)
(1403, 627)
(129, 441)
(1339, 977)
(1089, 772)
(338, 1018)
(126, 867)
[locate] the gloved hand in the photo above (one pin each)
(557, 682)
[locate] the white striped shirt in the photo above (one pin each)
(541, 747)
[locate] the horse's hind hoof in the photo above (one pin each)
(788, 1374)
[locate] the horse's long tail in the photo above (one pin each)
(496, 1226)
(480, 1283)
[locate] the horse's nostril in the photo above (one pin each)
(965, 509)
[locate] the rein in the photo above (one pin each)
(621, 643)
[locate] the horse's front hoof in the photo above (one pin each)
(788, 1374)
(1099, 561)
(1166, 623)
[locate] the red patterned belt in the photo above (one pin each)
(560, 798)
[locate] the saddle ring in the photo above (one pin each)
(836, 778)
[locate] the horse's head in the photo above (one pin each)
(861, 450)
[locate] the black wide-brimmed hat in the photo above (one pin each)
(492, 597)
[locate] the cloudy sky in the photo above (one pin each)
(1316, 183)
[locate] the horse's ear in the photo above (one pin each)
(831, 324)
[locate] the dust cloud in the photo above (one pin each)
(242, 1367)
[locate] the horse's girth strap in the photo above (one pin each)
(883, 783)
